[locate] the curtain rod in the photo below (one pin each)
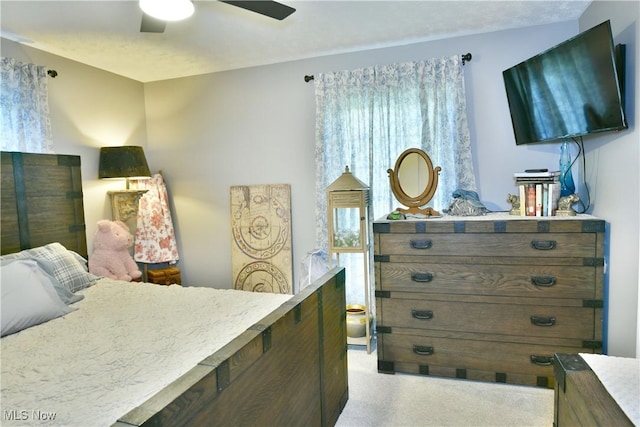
(52, 73)
(465, 58)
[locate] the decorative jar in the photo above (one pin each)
(357, 320)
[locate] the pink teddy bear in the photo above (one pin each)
(111, 256)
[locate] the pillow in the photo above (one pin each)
(47, 268)
(81, 260)
(27, 297)
(70, 272)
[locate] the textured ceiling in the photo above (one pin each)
(105, 34)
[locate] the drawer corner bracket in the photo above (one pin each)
(383, 294)
(381, 227)
(592, 303)
(592, 344)
(593, 262)
(380, 329)
(593, 226)
(386, 367)
(543, 226)
(542, 382)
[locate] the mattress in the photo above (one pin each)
(125, 342)
(620, 376)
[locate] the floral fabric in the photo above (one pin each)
(155, 240)
(24, 108)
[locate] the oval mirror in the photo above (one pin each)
(413, 175)
(414, 181)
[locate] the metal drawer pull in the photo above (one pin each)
(543, 321)
(421, 244)
(423, 350)
(542, 360)
(543, 245)
(543, 280)
(422, 277)
(422, 314)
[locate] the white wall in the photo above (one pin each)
(257, 125)
(89, 109)
(612, 163)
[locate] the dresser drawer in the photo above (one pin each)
(582, 245)
(432, 354)
(500, 317)
(507, 280)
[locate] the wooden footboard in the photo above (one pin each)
(288, 369)
(580, 397)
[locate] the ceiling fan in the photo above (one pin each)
(269, 8)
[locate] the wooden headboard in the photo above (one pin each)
(41, 197)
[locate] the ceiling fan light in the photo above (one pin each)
(167, 10)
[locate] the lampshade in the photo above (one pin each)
(123, 162)
(167, 10)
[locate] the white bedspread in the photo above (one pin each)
(621, 377)
(125, 342)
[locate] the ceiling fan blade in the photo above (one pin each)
(149, 24)
(269, 8)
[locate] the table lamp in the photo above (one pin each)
(124, 162)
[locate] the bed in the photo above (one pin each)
(596, 390)
(287, 367)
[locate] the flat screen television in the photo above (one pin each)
(570, 90)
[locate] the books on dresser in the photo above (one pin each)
(539, 192)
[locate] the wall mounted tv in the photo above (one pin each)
(570, 90)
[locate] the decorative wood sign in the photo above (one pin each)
(261, 255)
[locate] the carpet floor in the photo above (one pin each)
(403, 400)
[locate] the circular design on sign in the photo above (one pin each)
(261, 276)
(260, 226)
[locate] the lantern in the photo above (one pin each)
(348, 207)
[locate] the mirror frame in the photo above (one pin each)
(414, 203)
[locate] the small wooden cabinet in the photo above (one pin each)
(487, 298)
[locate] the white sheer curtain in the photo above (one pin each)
(24, 104)
(366, 118)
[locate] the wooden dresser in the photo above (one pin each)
(488, 298)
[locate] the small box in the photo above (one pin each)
(164, 276)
